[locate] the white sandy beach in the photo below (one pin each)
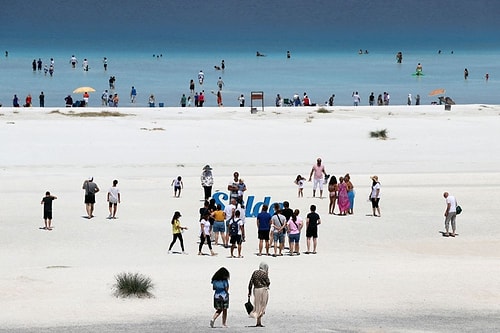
(395, 273)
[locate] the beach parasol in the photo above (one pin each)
(435, 92)
(82, 90)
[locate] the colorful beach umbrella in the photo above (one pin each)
(435, 92)
(82, 90)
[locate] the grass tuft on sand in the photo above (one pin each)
(133, 284)
(380, 134)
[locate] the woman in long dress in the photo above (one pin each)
(343, 198)
(260, 284)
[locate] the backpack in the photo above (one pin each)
(233, 227)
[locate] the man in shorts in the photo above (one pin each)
(319, 172)
(313, 220)
(263, 227)
(47, 209)
(91, 189)
(278, 221)
(236, 230)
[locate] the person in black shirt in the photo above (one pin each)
(47, 209)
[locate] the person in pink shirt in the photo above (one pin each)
(295, 225)
(319, 172)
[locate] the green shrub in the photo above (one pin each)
(133, 284)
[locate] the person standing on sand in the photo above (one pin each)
(91, 189)
(177, 232)
(47, 209)
(236, 232)
(343, 198)
(278, 221)
(450, 214)
(375, 196)
(260, 283)
(220, 283)
(207, 181)
(294, 228)
(263, 227)
(312, 222)
(219, 227)
(350, 193)
(205, 229)
(332, 189)
(114, 198)
(318, 170)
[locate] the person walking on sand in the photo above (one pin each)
(205, 230)
(178, 186)
(259, 282)
(91, 189)
(47, 209)
(375, 196)
(114, 198)
(177, 232)
(220, 285)
(312, 222)
(318, 170)
(450, 214)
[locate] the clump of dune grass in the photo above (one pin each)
(323, 110)
(133, 284)
(88, 114)
(380, 134)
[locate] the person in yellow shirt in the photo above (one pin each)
(177, 232)
(219, 226)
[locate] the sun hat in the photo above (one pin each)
(207, 167)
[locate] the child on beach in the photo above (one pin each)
(241, 189)
(299, 181)
(178, 185)
(47, 209)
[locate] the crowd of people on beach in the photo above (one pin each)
(276, 225)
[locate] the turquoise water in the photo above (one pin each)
(323, 36)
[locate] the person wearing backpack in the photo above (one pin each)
(235, 231)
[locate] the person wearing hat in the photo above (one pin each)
(91, 189)
(375, 196)
(177, 232)
(207, 181)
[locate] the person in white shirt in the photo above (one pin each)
(113, 199)
(450, 214)
(375, 196)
